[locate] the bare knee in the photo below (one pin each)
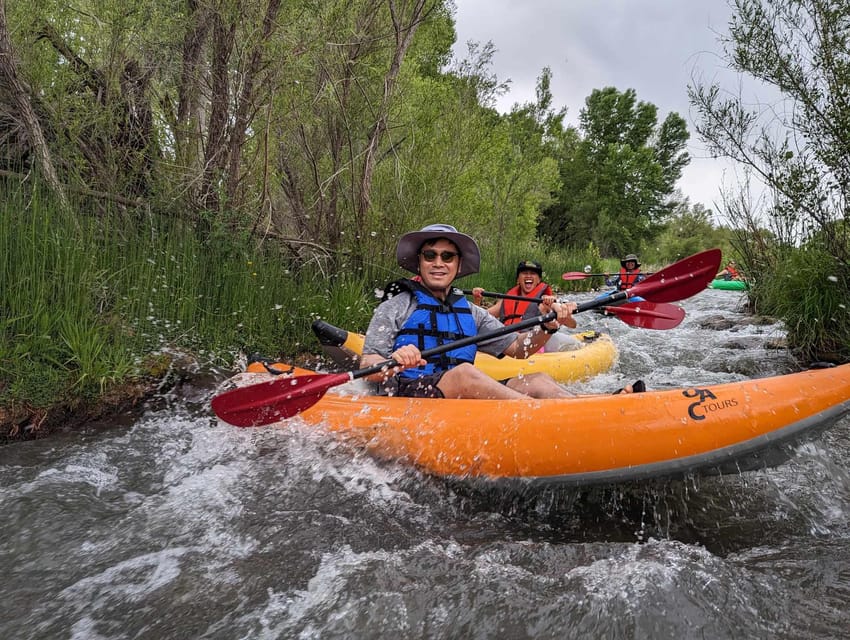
(538, 385)
(465, 381)
(459, 381)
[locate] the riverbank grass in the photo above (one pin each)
(90, 300)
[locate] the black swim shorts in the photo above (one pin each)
(422, 387)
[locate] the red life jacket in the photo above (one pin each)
(514, 310)
(733, 272)
(628, 279)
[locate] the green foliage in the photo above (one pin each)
(688, 231)
(463, 163)
(347, 300)
(86, 301)
(801, 49)
(618, 174)
(808, 290)
(33, 384)
(92, 356)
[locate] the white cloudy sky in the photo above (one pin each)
(652, 46)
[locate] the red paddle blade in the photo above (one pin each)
(575, 275)
(680, 280)
(268, 402)
(648, 315)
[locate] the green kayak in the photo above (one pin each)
(729, 285)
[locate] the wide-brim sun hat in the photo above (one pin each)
(630, 258)
(407, 251)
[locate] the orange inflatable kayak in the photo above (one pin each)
(712, 428)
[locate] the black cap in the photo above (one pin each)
(530, 265)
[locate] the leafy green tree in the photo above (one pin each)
(688, 230)
(455, 158)
(617, 173)
(526, 170)
(800, 151)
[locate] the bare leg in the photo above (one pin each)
(465, 381)
(539, 385)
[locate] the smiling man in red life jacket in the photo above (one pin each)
(529, 283)
(629, 274)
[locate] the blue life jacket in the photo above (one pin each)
(434, 323)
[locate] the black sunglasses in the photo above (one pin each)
(446, 256)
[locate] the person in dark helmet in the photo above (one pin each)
(529, 284)
(431, 312)
(629, 274)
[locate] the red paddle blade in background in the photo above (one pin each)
(648, 315)
(578, 275)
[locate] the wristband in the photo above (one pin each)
(550, 331)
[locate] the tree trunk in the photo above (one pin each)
(215, 154)
(403, 36)
(20, 99)
(186, 136)
(246, 107)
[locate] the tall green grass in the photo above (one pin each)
(91, 301)
(810, 291)
(95, 298)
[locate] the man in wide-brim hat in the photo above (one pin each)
(428, 312)
(629, 274)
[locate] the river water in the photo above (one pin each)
(176, 526)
